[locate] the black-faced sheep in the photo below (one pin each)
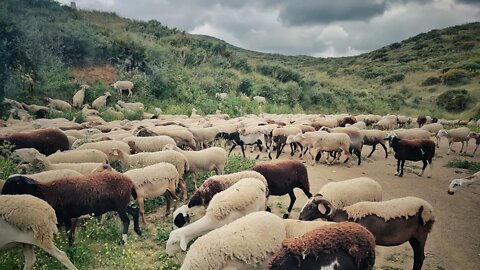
(414, 150)
(456, 184)
(46, 141)
(73, 197)
(421, 120)
(283, 176)
(28, 221)
(344, 245)
(392, 222)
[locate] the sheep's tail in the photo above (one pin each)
(138, 195)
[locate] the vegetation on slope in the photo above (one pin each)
(63, 48)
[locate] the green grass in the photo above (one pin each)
(472, 166)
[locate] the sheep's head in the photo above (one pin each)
(170, 146)
(107, 94)
(114, 154)
(316, 207)
(19, 184)
(101, 168)
(442, 133)
(84, 86)
(175, 243)
(454, 186)
(47, 99)
(27, 155)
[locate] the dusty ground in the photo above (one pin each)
(454, 242)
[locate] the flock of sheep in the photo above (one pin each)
(155, 156)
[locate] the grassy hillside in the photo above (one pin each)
(63, 48)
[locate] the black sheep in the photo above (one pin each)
(46, 141)
(414, 150)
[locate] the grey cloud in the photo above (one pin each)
(472, 2)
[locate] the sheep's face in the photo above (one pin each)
(455, 185)
(175, 243)
(316, 207)
(20, 185)
(169, 147)
(442, 133)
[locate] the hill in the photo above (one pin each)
(435, 73)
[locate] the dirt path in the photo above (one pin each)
(454, 242)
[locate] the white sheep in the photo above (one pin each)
(244, 197)
(123, 85)
(204, 194)
(221, 96)
(101, 101)
(105, 146)
(373, 137)
(156, 180)
(86, 111)
(456, 184)
(213, 158)
(132, 106)
(149, 144)
(344, 193)
(78, 156)
(28, 221)
(204, 136)
(359, 125)
(181, 135)
(455, 135)
(58, 104)
(246, 243)
(410, 134)
(260, 99)
(79, 96)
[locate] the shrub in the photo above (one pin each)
(455, 77)
(464, 164)
(431, 81)
(454, 100)
(7, 163)
(393, 78)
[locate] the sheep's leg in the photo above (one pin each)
(373, 150)
(29, 256)
(126, 222)
(475, 150)
(431, 168)
(401, 167)
(438, 141)
(466, 146)
(450, 144)
(292, 201)
(461, 149)
(398, 167)
(425, 163)
(183, 187)
(384, 148)
(135, 212)
(359, 155)
(243, 150)
(418, 253)
(194, 179)
(68, 230)
(233, 146)
(59, 255)
(168, 199)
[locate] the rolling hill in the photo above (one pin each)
(434, 73)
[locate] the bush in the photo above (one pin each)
(455, 77)
(431, 81)
(7, 163)
(454, 100)
(464, 164)
(393, 78)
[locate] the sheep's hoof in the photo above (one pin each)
(268, 209)
(400, 175)
(121, 242)
(286, 215)
(396, 174)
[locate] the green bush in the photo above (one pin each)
(464, 164)
(431, 81)
(455, 77)
(393, 78)
(7, 161)
(454, 100)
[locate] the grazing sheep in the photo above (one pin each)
(149, 144)
(28, 221)
(132, 106)
(204, 136)
(156, 180)
(101, 101)
(392, 222)
(356, 140)
(221, 96)
(247, 243)
(385, 124)
(414, 150)
(72, 197)
(260, 99)
(181, 136)
(79, 96)
(244, 197)
(456, 184)
(279, 137)
(58, 104)
(350, 120)
(421, 120)
(213, 185)
(78, 156)
(46, 141)
(86, 111)
(105, 146)
(283, 176)
(373, 137)
(123, 85)
(213, 158)
(330, 142)
(345, 245)
(455, 135)
(475, 136)
(348, 192)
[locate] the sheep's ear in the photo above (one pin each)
(322, 209)
(183, 243)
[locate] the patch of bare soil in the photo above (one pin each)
(90, 74)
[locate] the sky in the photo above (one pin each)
(320, 28)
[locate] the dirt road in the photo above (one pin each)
(454, 242)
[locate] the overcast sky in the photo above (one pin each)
(310, 27)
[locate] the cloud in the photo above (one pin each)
(292, 27)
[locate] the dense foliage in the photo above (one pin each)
(59, 47)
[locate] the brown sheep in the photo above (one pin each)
(46, 141)
(345, 245)
(72, 197)
(283, 176)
